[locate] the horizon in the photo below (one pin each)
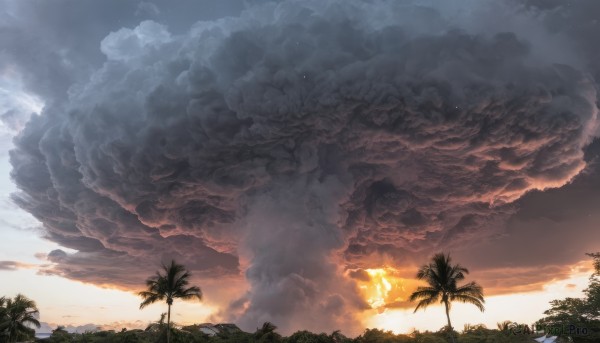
(302, 159)
(388, 320)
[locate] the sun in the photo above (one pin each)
(387, 290)
(380, 288)
(384, 288)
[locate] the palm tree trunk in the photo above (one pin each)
(449, 324)
(169, 324)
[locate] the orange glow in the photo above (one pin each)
(401, 319)
(380, 288)
(385, 288)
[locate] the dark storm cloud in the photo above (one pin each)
(550, 228)
(295, 140)
(53, 46)
(577, 20)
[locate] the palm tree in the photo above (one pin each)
(173, 284)
(3, 316)
(17, 316)
(442, 278)
(504, 326)
(159, 325)
(337, 337)
(267, 333)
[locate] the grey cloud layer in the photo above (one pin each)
(295, 140)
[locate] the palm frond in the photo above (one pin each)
(458, 272)
(467, 299)
(424, 303)
(150, 298)
(172, 283)
(442, 278)
(31, 320)
(424, 292)
(19, 314)
(190, 293)
(471, 289)
(504, 326)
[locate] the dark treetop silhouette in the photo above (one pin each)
(16, 318)
(442, 278)
(169, 286)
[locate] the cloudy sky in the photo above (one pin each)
(301, 158)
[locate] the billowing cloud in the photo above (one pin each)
(295, 141)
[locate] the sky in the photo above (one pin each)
(301, 158)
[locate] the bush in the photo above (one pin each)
(308, 337)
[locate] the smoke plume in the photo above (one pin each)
(298, 140)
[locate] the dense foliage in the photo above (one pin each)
(479, 334)
(18, 316)
(577, 318)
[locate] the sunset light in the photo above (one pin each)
(384, 287)
(379, 288)
(519, 307)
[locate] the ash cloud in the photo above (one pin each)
(296, 140)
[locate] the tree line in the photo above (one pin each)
(572, 319)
